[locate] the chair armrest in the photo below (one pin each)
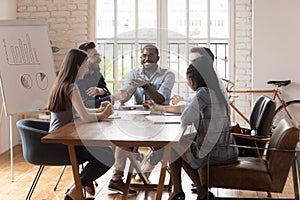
(265, 148)
(249, 137)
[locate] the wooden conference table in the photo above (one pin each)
(129, 130)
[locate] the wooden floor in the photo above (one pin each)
(24, 174)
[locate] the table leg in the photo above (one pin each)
(75, 169)
(129, 175)
(134, 164)
(163, 173)
(127, 184)
(137, 166)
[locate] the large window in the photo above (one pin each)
(123, 27)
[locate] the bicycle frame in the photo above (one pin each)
(275, 95)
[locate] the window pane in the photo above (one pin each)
(105, 18)
(137, 25)
(178, 63)
(177, 60)
(106, 65)
(126, 19)
(220, 49)
(219, 18)
(177, 18)
(126, 58)
(198, 18)
(147, 17)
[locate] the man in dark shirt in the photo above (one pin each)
(93, 87)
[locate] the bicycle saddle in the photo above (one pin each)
(280, 83)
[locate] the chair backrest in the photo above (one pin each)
(285, 137)
(36, 152)
(262, 116)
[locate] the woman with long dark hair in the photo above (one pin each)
(210, 114)
(65, 104)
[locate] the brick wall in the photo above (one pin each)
(67, 19)
(243, 54)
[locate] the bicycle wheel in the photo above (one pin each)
(293, 107)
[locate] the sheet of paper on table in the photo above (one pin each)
(114, 116)
(138, 112)
(156, 119)
(171, 114)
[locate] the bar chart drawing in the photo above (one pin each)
(21, 52)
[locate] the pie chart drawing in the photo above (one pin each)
(42, 80)
(26, 81)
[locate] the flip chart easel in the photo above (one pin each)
(27, 69)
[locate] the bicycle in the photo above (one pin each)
(287, 109)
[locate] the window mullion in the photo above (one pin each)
(162, 31)
(231, 59)
(187, 28)
(208, 24)
(136, 45)
(115, 47)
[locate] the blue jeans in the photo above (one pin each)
(100, 160)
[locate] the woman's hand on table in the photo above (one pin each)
(106, 109)
(175, 99)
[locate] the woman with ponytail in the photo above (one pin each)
(210, 114)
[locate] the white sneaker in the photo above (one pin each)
(147, 169)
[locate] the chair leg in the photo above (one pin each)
(96, 184)
(295, 180)
(298, 161)
(36, 179)
(60, 175)
(170, 180)
(269, 194)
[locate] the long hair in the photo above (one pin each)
(67, 75)
(201, 71)
(194, 74)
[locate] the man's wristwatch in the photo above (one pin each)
(146, 86)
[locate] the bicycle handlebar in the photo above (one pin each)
(228, 84)
(228, 81)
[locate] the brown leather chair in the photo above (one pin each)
(259, 174)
